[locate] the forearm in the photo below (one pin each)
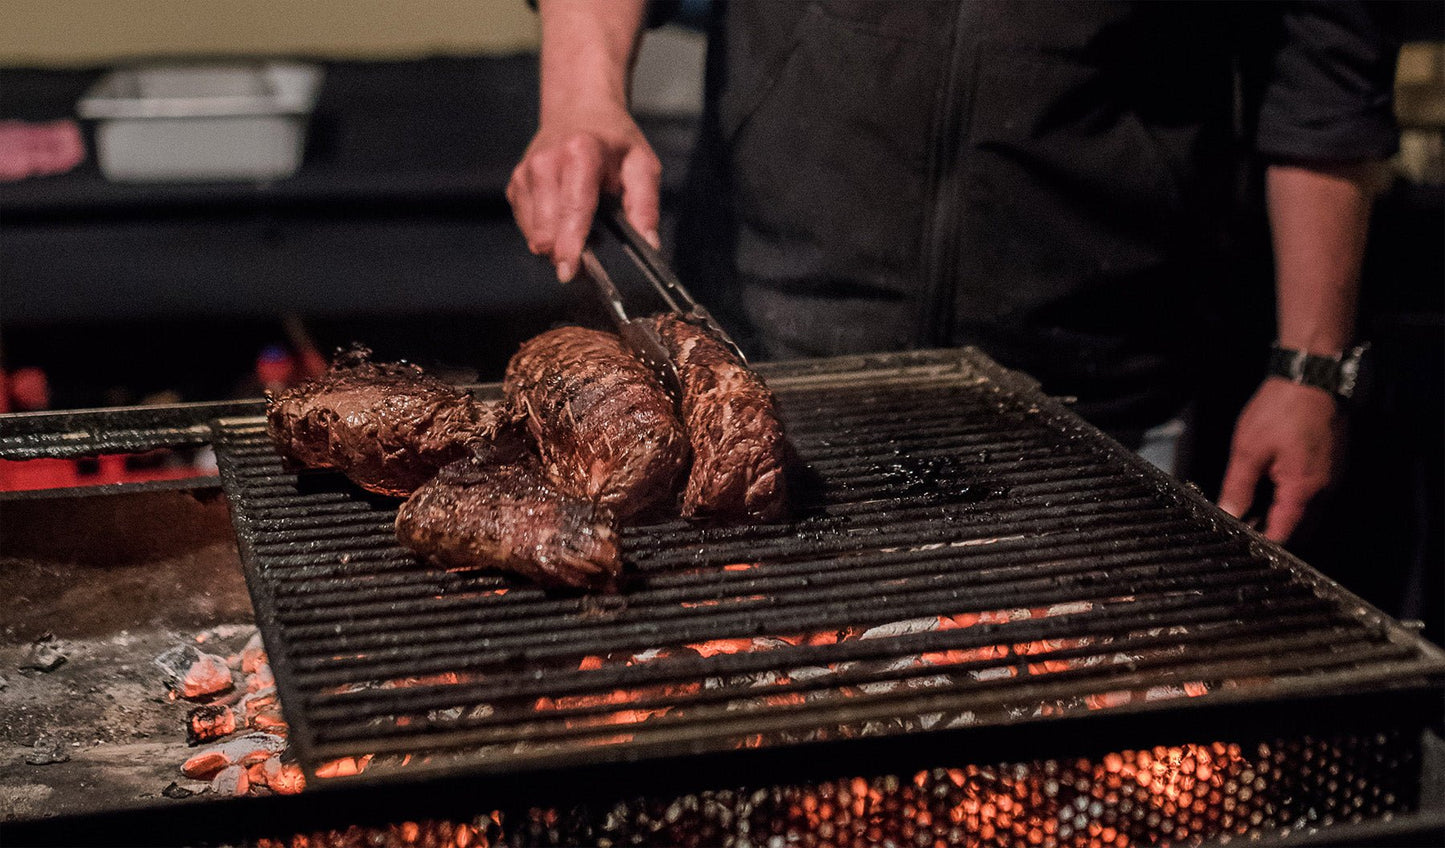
(1287, 433)
(1319, 217)
(588, 47)
(586, 142)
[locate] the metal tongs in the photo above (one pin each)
(639, 335)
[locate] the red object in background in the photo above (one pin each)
(29, 390)
(31, 474)
(31, 149)
(24, 390)
(275, 368)
(28, 475)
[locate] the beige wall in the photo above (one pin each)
(83, 32)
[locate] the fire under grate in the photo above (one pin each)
(967, 553)
(1182, 793)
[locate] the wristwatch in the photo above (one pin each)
(1338, 374)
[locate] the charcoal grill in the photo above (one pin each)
(967, 553)
(973, 576)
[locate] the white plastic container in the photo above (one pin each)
(233, 121)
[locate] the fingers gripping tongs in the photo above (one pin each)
(637, 334)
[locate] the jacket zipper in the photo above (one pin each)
(936, 305)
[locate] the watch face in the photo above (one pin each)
(1356, 372)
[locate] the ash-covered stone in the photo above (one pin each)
(231, 780)
(47, 750)
(177, 791)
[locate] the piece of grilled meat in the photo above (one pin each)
(389, 427)
(604, 427)
(738, 448)
(498, 509)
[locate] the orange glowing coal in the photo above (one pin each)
(344, 767)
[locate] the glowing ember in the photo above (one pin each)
(1179, 794)
(343, 767)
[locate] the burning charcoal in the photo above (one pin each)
(175, 790)
(47, 750)
(253, 656)
(209, 675)
(261, 679)
(256, 773)
(343, 767)
(210, 722)
(175, 662)
(204, 764)
(270, 720)
(231, 780)
(46, 654)
(193, 674)
(248, 749)
(282, 777)
(253, 703)
(255, 757)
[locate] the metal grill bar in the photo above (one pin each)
(459, 606)
(1208, 621)
(75, 433)
(962, 545)
(710, 705)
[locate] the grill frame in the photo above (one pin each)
(1420, 665)
(397, 797)
(80, 433)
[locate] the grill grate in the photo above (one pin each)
(968, 553)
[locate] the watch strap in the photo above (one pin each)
(1337, 374)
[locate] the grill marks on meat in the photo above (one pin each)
(389, 427)
(739, 451)
(588, 436)
(498, 508)
(604, 426)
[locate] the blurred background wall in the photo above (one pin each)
(57, 33)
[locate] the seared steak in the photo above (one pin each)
(389, 427)
(604, 427)
(738, 447)
(498, 509)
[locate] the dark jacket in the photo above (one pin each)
(1043, 179)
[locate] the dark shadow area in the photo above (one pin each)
(96, 565)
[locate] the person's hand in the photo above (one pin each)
(554, 189)
(1292, 433)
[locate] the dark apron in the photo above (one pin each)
(1035, 178)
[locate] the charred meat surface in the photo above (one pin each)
(604, 427)
(498, 509)
(387, 426)
(738, 448)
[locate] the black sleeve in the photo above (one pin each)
(1328, 93)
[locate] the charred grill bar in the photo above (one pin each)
(981, 607)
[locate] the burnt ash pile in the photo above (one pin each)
(966, 554)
